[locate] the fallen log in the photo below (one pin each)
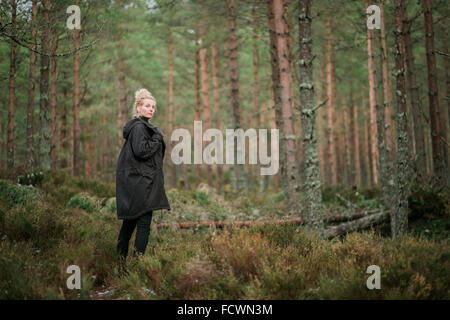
(358, 224)
(297, 221)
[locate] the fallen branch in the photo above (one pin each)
(297, 221)
(358, 224)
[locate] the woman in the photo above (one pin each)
(139, 175)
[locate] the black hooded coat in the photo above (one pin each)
(139, 174)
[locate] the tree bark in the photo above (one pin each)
(437, 146)
(391, 142)
(76, 104)
(355, 144)
(172, 166)
(313, 193)
(198, 172)
(374, 102)
(238, 168)
(216, 86)
(331, 156)
(53, 103)
(12, 90)
(281, 177)
(293, 185)
(399, 214)
(44, 112)
(31, 90)
(204, 68)
(420, 163)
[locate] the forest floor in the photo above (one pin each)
(51, 221)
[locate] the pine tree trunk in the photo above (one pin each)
(233, 56)
(331, 156)
(53, 103)
(64, 137)
(399, 213)
(373, 102)
(355, 144)
(172, 166)
(437, 146)
(391, 141)
(204, 68)
(293, 183)
(281, 177)
(44, 112)
(31, 90)
(216, 85)
(313, 193)
(12, 89)
(198, 172)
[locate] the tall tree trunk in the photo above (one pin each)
(122, 89)
(76, 103)
(204, 68)
(293, 183)
(380, 127)
(12, 89)
(64, 137)
(313, 193)
(198, 172)
(256, 107)
(238, 168)
(437, 146)
(346, 138)
(281, 177)
(44, 112)
(399, 214)
(366, 149)
(331, 156)
(355, 144)
(373, 101)
(420, 163)
(31, 90)
(172, 167)
(216, 85)
(391, 142)
(53, 103)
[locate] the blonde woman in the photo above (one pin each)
(139, 175)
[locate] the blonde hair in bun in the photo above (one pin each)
(140, 95)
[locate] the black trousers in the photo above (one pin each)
(143, 230)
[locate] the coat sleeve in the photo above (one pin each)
(143, 146)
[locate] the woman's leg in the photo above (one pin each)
(142, 232)
(124, 236)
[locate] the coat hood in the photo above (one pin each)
(130, 124)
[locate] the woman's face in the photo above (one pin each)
(147, 108)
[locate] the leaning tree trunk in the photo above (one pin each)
(31, 90)
(438, 159)
(399, 213)
(44, 112)
(12, 90)
(308, 115)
